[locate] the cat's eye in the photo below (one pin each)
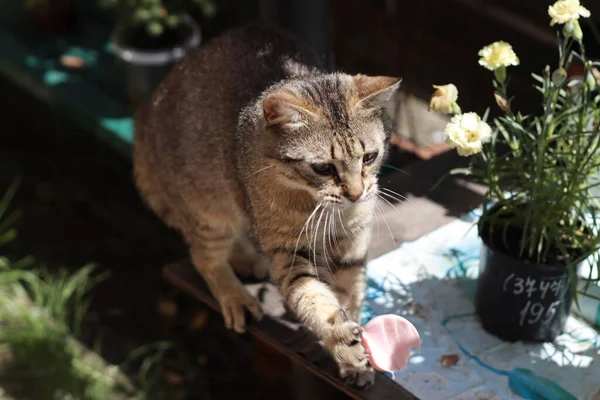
(324, 169)
(368, 159)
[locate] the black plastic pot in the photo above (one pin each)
(517, 299)
(146, 61)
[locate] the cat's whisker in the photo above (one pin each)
(325, 233)
(332, 230)
(377, 222)
(393, 206)
(309, 225)
(395, 199)
(394, 168)
(343, 225)
(312, 224)
(401, 199)
(261, 170)
(316, 234)
(400, 196)
(302, 230)
(385, 221)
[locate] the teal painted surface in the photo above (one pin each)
(122, 127)
(53, 77)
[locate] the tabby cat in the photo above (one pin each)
(267, 165)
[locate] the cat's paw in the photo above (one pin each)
(347, 349)
(233, 306)
(363, 378)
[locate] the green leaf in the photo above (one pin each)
(8, 236)
(155, 28)
(9, 195)
(486, 114)
(461, 171)
(208, 7)
(173, 20)
(142, 15)
(538, 78)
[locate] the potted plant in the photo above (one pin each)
(151, 35)
(51, 16)
(539, 224)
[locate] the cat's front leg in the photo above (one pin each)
(351, 285)
(308, 292)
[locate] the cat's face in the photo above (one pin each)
(336, 167)
(330, 135)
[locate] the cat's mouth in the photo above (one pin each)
(332, 200)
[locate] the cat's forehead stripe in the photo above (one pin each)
(348, 147)
(330, 96)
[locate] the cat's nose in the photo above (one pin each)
(354, 196)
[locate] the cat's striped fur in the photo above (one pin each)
(266, 164)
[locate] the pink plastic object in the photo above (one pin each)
(389, 340)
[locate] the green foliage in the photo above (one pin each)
(157, 15)
(7, 232)
(38, 315)
(543, 168)
(41, 316)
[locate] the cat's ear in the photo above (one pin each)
(373, 92)
(285, 110)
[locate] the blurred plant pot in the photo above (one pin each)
(52, 16)
(518, 300)
(146, 60)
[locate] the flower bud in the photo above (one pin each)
(444, 99)
(590, 81)
(573, 29)
(577, 32)
(455, 108)
(568, 28)
(559, 76)
(502, 102)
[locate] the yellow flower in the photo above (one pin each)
(444, 99)
(497, 55)
(467, 133)
(564, 11)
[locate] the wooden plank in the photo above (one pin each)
(300, 346)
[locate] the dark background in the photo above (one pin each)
(79, 204)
